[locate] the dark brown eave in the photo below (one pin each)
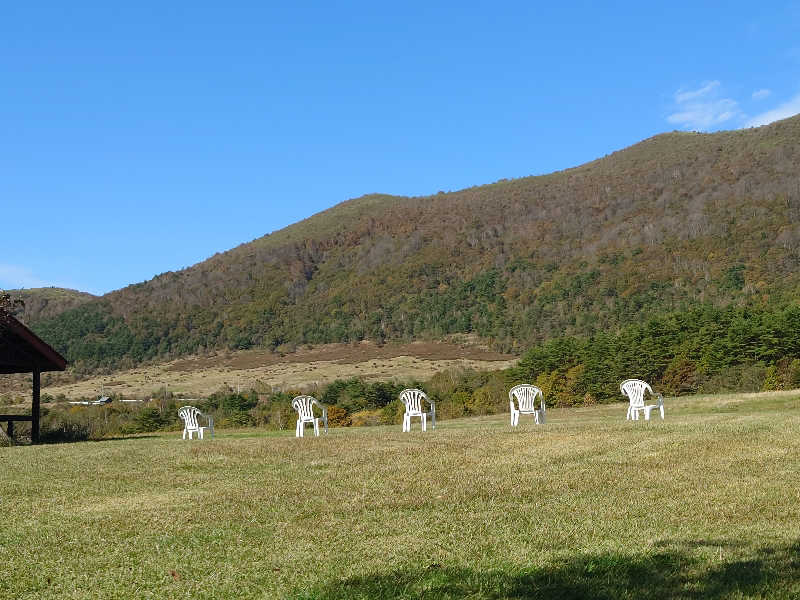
(22, 351)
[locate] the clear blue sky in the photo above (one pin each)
(142, 137)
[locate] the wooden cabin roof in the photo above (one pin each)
(22, 351)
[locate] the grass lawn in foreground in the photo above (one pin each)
(702, 505)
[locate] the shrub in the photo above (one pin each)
(392, 413)
(680, 377)
(454, 405)
(794, 374)
(64, 426)
(371, 416)
(237, 419)
(236, 403)
(338, 417)
(772, 379)
(738, 378)
(149, 419)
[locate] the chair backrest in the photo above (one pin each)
(525, 395)
(412, 399)
(189, 415)
(304, 405)
(634, 389)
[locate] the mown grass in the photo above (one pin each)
(702, 505)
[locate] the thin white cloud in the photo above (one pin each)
(15, 276)
(703, 108)
(761, 94)
(708, 88)
(784, 111)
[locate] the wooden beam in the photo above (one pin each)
(35, 407)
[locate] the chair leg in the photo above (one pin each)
(316, 427)
(183, 437)
(424, 422)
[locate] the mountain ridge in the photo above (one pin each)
(676, 219)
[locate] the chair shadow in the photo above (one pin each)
(675, 573)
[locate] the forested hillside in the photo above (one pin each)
(39, 304)
(677, 220)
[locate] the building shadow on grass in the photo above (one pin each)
(62, 439)
(689, 571)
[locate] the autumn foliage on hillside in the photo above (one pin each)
(676, 221)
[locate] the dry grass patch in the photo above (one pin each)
(304, 369)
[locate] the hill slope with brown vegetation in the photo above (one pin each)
(676, 220)
(39, 304)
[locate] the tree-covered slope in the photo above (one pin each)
(38, 304)
(676, 220)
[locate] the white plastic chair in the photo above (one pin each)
(190, 414)
(304, 405)
(412, 399)
(525, 396)
(634, 389)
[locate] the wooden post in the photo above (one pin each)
(35, 406)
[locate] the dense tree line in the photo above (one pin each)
(705, 349)
(702, 349)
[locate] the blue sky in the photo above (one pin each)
(145, 137)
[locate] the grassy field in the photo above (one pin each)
(703, 505)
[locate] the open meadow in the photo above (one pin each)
(705, 504)
(302, 369)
